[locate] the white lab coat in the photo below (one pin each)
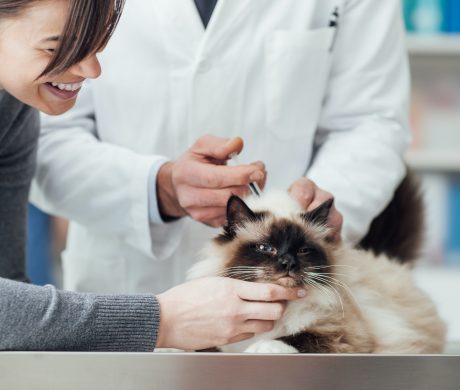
(262, 70)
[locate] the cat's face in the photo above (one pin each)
(264, 248)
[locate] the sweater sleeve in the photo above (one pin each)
(36, 318)
(19, 130)
(43, 318)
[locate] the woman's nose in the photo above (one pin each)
(88, 68)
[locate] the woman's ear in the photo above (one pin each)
(320, 214)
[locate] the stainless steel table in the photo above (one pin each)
(104, 371)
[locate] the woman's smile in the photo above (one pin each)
(64, 91)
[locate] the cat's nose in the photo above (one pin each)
(287, 262)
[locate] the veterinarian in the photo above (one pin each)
(317, 89)
(47, 50)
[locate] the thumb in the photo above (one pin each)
(233, 146)
(218, 148)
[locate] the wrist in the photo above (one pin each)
(165, 327)
(161, 328)
(168, 205)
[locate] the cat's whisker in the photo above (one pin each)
(323, 290)
(339, 283)
(330, 280)
(240, 268)
(245, 279)
(329, 273)
(242, 276)
(232, 275)
(330, 266)
(245, 266)
(331, 291)
(326, 276)
(331, 286)
(246, 273)
(323, 273)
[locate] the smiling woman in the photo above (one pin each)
(48, 48)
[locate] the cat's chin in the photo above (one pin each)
(287, 281)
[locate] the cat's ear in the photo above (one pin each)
(238, 212)
(320, 214)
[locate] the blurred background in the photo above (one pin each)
(434, 47)
(433, 42)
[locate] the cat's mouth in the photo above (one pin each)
(289, 280)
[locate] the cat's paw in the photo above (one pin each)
(270, 346)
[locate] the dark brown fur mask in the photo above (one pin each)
(267, 248)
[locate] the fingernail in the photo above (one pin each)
(260, 164)
(256, 176)
(230, 143)
(301, 293)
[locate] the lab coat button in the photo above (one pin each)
(203, 66)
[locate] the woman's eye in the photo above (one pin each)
(264, 248)
(51, 51)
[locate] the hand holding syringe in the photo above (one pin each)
(253, 186)
(199, 183)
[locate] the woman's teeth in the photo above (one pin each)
(67, 87)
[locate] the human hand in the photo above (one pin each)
(212, 312)
(310, 196)
(200, 183)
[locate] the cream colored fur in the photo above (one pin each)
(383, 310)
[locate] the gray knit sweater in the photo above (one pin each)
(43, 318)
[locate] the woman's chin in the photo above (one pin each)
(52, 104)
(55, 108)
(54, 111)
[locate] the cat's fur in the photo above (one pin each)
(356, 302)
(398, 231)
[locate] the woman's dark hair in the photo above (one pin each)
(88, 28)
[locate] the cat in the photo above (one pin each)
(357, 302)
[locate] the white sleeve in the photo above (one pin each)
(363, 131)
(98, 185)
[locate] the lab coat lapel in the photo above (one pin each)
(225, 14)
(181, 21)
(181, 25)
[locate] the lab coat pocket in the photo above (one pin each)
(297, 69)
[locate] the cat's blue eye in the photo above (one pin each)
(264, 248)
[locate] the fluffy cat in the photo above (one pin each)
(356, 302)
